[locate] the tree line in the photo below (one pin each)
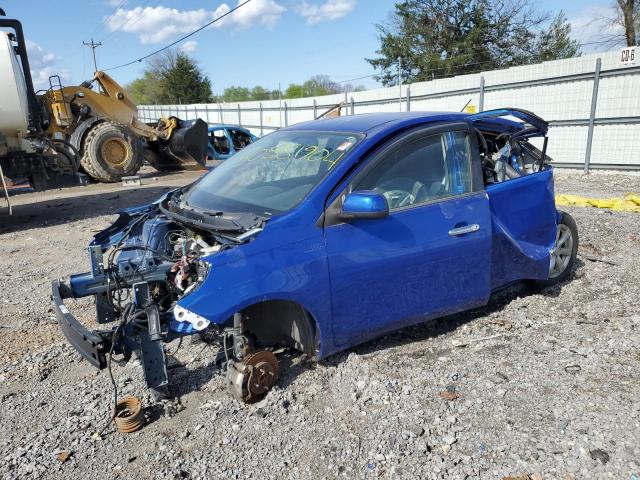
(176, 78)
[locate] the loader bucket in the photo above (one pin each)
(185, 150)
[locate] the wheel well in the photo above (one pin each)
(282, 322)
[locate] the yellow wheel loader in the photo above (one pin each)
(103, 126)
(93, 127)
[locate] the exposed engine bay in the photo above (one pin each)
(142, 265)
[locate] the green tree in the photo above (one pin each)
(185, 83)
(294, 91)
(172, 77)
(438, 38)
(145, 90)
(260, 93)
(555, 42)
(236, 94)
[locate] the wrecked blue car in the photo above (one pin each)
(227, 140)
(324, 235)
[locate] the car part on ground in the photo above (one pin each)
(129, 415)
(320, 237)
(48, 138)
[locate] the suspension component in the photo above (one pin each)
(251, 379)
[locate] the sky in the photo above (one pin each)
(266, 42)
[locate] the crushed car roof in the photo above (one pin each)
(373, 122)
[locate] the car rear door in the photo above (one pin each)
(431, 256)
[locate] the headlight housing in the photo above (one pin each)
(181, 314)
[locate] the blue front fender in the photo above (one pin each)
(299, 274)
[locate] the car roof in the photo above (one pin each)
(392, 121)
(369, 121)
(220, 126)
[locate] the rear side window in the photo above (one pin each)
(422, 171)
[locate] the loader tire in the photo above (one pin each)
(111, 151)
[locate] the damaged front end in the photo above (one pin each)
(141, 267)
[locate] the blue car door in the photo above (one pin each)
(431, 255)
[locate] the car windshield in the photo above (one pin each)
(271, 175)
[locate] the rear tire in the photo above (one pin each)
(111, 151)
(564, 253)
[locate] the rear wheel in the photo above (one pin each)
(565, 250)
(111, 151)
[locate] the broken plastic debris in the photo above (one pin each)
(63, 455)
(449, 395)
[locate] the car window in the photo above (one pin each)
(271, 175)
(219, 141)
(240, 139)
(424, 170)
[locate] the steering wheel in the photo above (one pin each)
(397, 196)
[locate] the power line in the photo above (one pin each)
(93, 46)
(140, 16)
(181, 38)
(106, 19)
(359, 78)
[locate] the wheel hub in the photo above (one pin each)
(114, 151)
(561, 252)
(252, 378)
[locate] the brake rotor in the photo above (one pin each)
(261, 370)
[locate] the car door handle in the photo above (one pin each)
(464, 230)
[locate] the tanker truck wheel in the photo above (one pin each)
(111, 151)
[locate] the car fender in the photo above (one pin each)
(296, 272)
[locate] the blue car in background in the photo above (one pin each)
(226, 140)
(324, 235)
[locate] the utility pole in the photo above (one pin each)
(93, 46)
(280, 102)
(399, 83)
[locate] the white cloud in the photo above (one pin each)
(159, 24)
(329, 10)
(43, 65)
(116, 3)
(593, 28)
(265, 12)
(189, 46)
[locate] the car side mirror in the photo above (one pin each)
(364, 204)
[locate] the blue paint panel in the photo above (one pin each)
(391, 272)
(524, 224)
(294, 271)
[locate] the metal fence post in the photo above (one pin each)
(261, 124)
(315, 109)
(220, 112)
(592, 115)
(481, 105)
(353, 106)
(408, 98)
(286, 115)
(239, 115)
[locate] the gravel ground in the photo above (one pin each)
(543, 384)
